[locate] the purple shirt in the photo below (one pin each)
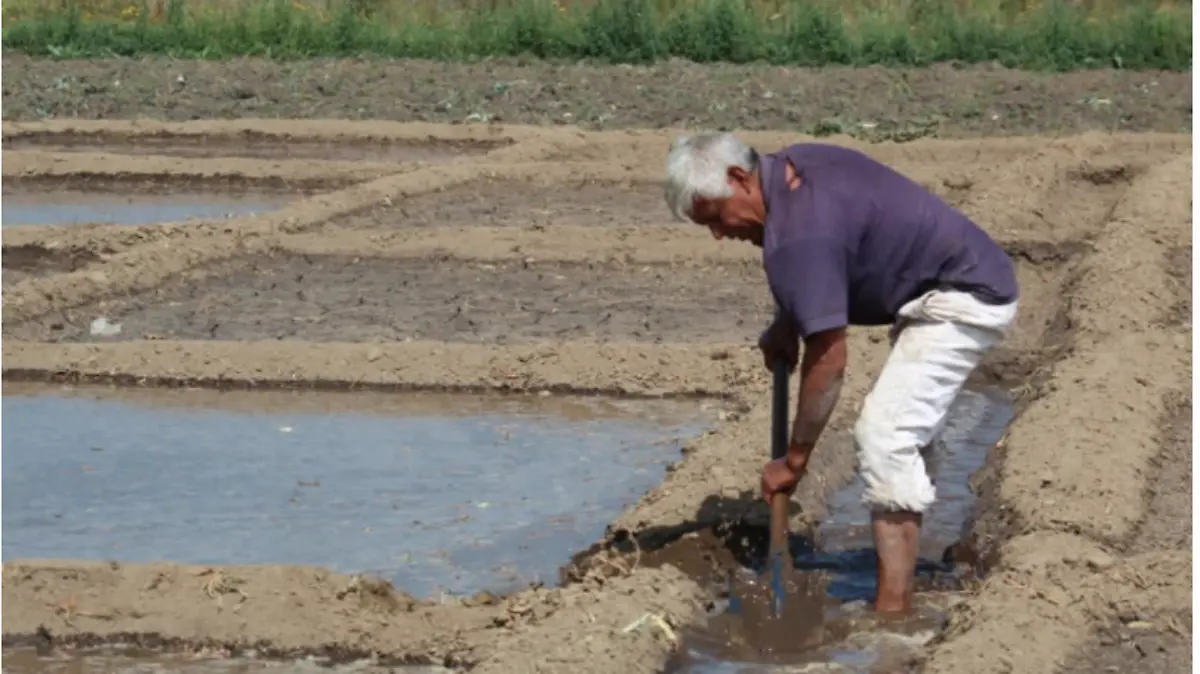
(857, 241)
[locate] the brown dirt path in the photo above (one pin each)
(968, 101)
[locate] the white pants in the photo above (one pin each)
(938, 339)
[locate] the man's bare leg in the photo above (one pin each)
(896, 535)
(939, 343)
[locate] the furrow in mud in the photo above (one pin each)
(1052, 522)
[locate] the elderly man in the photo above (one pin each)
(849, 241)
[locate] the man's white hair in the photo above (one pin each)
(698, 166)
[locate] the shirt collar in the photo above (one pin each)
(766, 172)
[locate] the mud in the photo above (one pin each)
(525, 204)
(120, 660)
(323, 298)
(24, 261)
(1097, 224)
(203, 479)
(826, 621)
(66, 207)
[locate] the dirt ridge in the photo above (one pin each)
(101, 170)
(1072, 507)
(583, 367)
(336, 615)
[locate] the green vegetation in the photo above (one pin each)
(1049, 35)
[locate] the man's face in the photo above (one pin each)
(738, 217)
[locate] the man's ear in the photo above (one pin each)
(738, 174)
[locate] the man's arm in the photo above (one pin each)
(822, 371)
(811, 286)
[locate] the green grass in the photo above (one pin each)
(1052, 35)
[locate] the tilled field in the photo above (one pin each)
(533, 260)
(945, 100)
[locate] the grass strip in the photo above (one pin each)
(1054, 35)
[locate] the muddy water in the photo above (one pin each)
(827, 626)
(72, 207)
(433, 492)
(118, 660)
(257, 147)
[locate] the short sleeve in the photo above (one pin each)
(810, 282)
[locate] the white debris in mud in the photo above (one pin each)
(102, 328)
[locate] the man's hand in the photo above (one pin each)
(780, 476)
(780, 340)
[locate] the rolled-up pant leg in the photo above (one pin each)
(941, 338)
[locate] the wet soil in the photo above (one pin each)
(71, 207)
(136, 182)
(513, 203)
(31, 260)
(329, 298)
(257, 146)
(947, 100)
(826, 618)
(977, 421)
(118, 660)
(213, 478)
